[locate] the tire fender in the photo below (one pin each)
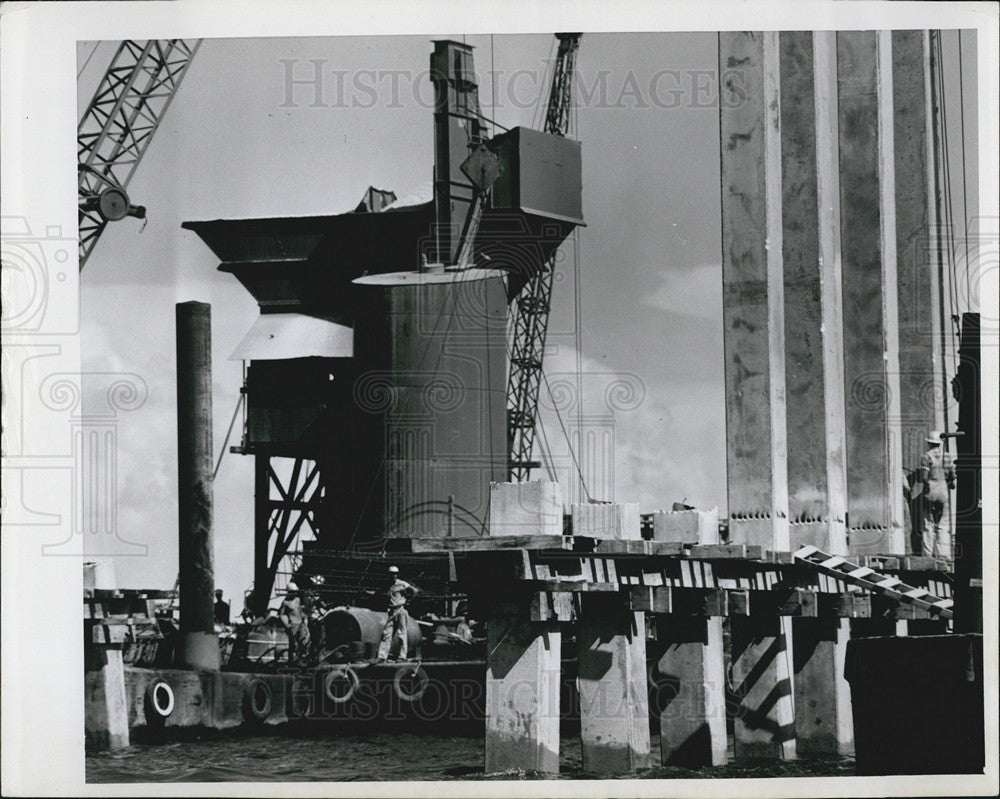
(257, 701)
(159, 701)
(334, 677)
(420, 678)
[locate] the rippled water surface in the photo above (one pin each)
(337, 757)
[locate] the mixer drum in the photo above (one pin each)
(354, 634)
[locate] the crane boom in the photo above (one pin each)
(530, 314)
(118, 125)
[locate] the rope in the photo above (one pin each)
(566, 435)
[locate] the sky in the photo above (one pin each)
(239, 141)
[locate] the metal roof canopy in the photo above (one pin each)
(280, 336)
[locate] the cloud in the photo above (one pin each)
(646, 440)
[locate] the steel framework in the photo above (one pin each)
(530, 311)
(279, 520)
(118, 125)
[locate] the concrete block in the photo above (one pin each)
(614, 705)
(522, 695)
(687, 526)
(607, 520)
(532, 508)
(688, 688)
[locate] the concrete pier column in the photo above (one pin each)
(823, 721)
(921, 394)
(690, 677)
(200, 644)
(814, 361)
(761, 670)
(522, 693)
(753, 291)
(108, 721)
(614, 704)
(870, 292)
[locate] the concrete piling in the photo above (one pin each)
(762, 682)
(107, 716)
(614, 704)
(200, 645)
(522, 693)
(690, 687)
(822, 694)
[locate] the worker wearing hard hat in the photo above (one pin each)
(397, 619)
(296, 624)
(937, 471)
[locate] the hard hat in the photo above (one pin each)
(934, 437)
(394, 570)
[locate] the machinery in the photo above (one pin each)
(118, 126)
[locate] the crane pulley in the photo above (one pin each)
(118, 125)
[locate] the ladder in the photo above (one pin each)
(877, 583)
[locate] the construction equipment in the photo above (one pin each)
(118, 125)
(871, 580)
(530, 311)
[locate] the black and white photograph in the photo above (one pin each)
(500, 399)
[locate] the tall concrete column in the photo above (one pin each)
(753, 288)
(762, 681)
(200, 645)
(814, 371)
(691, 670)
(614, 704)
(870, 292)
(814, 363)
(919, 374)
(522, 694)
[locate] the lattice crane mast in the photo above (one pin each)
(118, 125)
(531, 308)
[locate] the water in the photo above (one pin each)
(343, 757)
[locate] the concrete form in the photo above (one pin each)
(614, 708)
(532, 508)
(522, 694)
(607, 520)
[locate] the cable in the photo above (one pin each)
(569, 443)
(965, 194)
(218, 463)
(84, 67)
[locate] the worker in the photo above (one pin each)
(296, 624)
(397, 618)
(221, 608)
(937, 472)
